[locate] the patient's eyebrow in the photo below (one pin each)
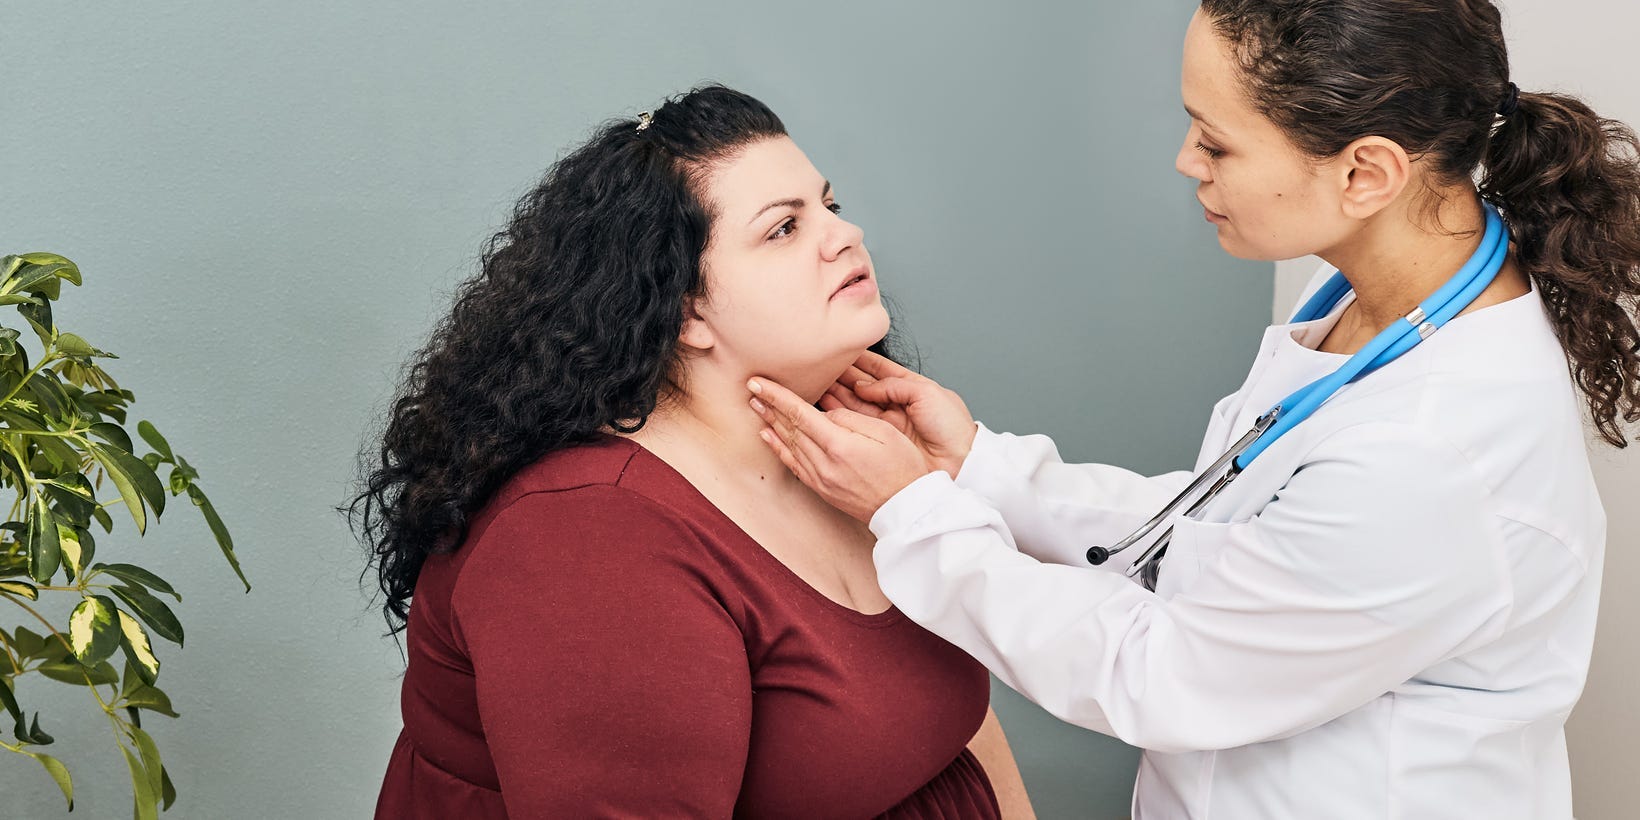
(796, 204)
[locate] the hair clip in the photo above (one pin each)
(644, 120)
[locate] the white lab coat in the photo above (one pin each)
(1388, 615)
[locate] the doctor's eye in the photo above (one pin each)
(784, 229)
(1212, 153)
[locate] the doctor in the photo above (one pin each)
(1389, 611)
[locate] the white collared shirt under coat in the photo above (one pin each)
(1388, 615)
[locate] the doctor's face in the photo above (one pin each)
(791, 293)
(1267, 199)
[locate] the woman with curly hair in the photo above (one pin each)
(1383, 606)
(616, 601)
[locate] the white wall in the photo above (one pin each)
(1582, 47)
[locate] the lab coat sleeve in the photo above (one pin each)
(1377, 560)
(1055, 510)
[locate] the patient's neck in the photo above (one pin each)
(709, 425)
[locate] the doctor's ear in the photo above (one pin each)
(1376, 171)
(696, 332)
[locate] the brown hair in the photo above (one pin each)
(1431, 75)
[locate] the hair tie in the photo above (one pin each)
(1511, 101)
(644, 120)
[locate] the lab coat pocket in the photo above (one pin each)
(1195, 544)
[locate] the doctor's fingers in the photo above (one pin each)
(791, 418)
(842, 395)
(880, 367)
(900, 391)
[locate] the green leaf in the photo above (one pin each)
(38, 736)
(38, 315)
(21, 589)
(140, 790)
(58, 772)
(43, 267)
(9, 265)
(28, 644)
(113, 434)
(136, 482)
(167, 790)
(139, 653)
(69, 670)
(45, 554)
(93, 632)
(9, 700)
(139, 576)
(152, 699)
(152, 611)
(53, 398)
(58, 453)
(155, 440)
(45, 258)
(8, 341)
(150, 757)
(218, 529)
(76, 347)
(68, 541)
(102, 517)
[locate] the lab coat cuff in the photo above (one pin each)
(909, 505)
(988, 470)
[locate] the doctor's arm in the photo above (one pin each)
(1376, 561)
(1055, 510)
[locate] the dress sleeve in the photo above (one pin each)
(1378, 559)
(1054, 510)
(612, 678)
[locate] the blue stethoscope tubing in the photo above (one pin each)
(1432, 314)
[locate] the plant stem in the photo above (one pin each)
(38, 617)
(45, 358)
(17, 668)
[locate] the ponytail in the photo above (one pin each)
(1569, 183)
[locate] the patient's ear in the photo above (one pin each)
(697, 332)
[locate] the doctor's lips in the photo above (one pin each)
(857, 281)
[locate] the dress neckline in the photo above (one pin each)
(876, 620)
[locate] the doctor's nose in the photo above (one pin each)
(1191, 162)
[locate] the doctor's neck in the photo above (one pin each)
(1405, 252)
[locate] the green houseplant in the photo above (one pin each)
(63, 447)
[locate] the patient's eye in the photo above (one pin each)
(1212, 153)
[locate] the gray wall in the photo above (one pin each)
(271, 203)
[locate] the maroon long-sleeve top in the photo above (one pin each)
(607, 643)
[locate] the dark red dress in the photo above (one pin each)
(606, 643)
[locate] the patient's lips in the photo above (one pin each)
(858, 283)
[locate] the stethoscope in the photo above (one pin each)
(1398, 338)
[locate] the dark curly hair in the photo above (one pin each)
(1433, 75)
(570, 328)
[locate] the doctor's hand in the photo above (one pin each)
(853, 461)
(934, 418)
